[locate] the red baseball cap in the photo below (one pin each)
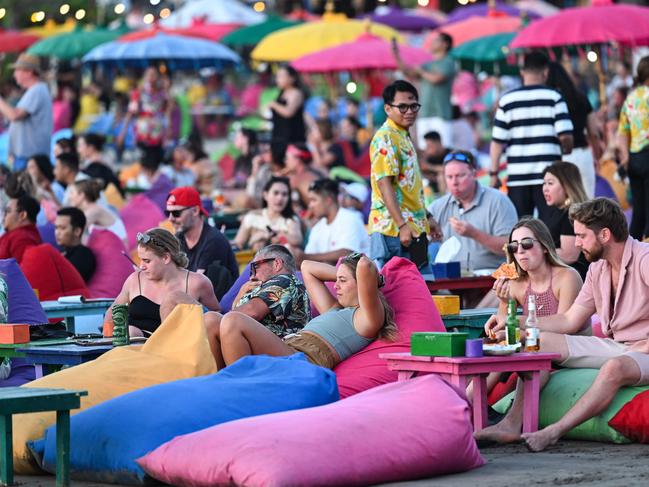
(186, 196)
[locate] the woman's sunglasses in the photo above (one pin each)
(525, 243)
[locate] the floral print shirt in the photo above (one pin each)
(393, 154)
(634, 118)
(288, 302)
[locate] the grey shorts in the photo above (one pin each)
(590, 352)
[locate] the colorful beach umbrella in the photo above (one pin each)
(200, 29)
(366, 52)
(251, 35)
(213, 12)
(494, 9)
(539, 7)
(333, 30)
(75, 44)
(15, 41)
(488, 54)
(401, 20)
(178, 52)
(596, 24)
(475, 27)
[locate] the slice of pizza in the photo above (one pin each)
(506, 270)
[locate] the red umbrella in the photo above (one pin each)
(199, 28)
(15, 41)
(597, 24)
(366, 52)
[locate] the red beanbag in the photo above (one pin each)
(51, 273)
(633, 419)
(112, 267)
(414, 310)
(139, 215)
(402, 431)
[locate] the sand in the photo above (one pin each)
(568, 463)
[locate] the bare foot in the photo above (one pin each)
(503, 432)
(540, 440)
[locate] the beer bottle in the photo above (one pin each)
(512, 322)
(532, 338)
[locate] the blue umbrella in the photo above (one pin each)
(178, 52)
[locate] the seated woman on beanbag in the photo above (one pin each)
(162, 277)
(348, 323)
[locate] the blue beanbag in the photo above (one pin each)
(107, 438)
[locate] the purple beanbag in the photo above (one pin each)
(402, 431)
(414, 310)
(112, 267)
(139, 215)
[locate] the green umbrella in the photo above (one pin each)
(487, 53)
(75, 44)
(252, 34)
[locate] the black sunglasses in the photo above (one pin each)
(254, 265)
(176, 213)
(526, 243)
(404, 107)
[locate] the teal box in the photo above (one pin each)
(438, 344)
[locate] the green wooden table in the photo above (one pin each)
(19, 400)
(469, 321)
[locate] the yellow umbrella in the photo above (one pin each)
(51, 28)
(334, 29)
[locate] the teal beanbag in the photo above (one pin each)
(562, 392)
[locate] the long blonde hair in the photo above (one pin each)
(542, 234)
(388, 331)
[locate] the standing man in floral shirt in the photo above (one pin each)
(397, 221)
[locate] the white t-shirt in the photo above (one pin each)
(347, 231)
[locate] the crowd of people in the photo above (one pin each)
(331, 198)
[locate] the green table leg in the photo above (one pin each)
(63, 448)
(6, 451)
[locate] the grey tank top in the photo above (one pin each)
(337, 328)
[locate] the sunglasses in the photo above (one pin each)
(458, 156)
(176, 213)
(145, 238)
(404, 107)
(254, 265)
(525, 243)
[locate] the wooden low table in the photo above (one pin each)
(69, 311)
(60, 355)
(459, 370)
(19, 400)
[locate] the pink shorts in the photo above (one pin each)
(589, 352)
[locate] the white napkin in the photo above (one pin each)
(448, 250)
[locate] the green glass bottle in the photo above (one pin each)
(512, 322)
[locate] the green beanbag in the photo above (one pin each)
(562, 392)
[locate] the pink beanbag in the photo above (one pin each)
(139, 215)
(414, 310)
(112, 267)
(407, 430)
(52, 274)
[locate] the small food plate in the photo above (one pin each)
(495, 349)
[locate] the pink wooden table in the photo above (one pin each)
(459, 370)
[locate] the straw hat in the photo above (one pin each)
(27, 62)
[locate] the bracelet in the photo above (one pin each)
(402, 225)
(493, 173)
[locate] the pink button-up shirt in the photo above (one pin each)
(628, 321)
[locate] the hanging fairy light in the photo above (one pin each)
(64, 9)
(80, 14)
(120, 8)
(38, 16)
(259, 6)
(148, 19)
(423, 3)
(3, 12)
(351, 87)
(591, 56)
(164, 13)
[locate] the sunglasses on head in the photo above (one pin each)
(458, 156)
(254, 265)
(525, 243)
(145, 238)
(404, 107)
(176, 213)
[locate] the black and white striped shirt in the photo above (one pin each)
(529, 121)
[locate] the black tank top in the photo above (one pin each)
(291, 129)
(144, 313)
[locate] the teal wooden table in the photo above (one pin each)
(10, 350)
(469, 321)
(68, 311)
(19, 400)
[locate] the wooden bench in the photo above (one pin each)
(18, 400)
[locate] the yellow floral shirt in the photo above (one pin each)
(393, 154)
(634, 118)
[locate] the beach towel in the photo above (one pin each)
(402, 431)
(177, 350)
(107, 438)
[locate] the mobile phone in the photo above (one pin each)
(418, 250)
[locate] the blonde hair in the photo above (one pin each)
(570, 180)
(389, 329)
(89, 188)
(163, 242)
(542, 234)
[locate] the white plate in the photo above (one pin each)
(491, 349)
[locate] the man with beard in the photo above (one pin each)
(616, 287)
